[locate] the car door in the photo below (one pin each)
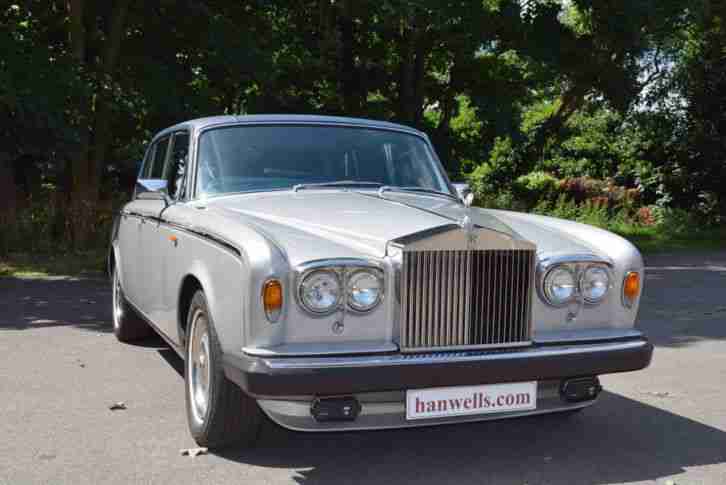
(168, 247)
(149, 267)
(133, 219)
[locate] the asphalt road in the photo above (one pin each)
(61, 369)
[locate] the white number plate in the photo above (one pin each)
(441, 402)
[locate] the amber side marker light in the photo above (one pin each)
(272, 299)
(631, 288)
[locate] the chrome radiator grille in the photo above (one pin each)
(466, 298)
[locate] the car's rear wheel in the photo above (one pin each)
(219, 413)
(127, 324)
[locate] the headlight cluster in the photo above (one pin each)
(323, 290)
(566, 282)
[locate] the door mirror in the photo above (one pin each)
(464, 192)
(152, 189)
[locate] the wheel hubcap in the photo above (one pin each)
(199, 366)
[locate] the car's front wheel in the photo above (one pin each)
(218, 411)
(127, 324)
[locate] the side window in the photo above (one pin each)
(146, 164)
(175, 169)
(156, 171)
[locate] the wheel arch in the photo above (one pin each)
(189, 286)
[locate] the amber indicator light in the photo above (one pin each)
(272, 296)
(631, 287)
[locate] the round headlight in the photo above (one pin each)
(320, 292)
(364, 291)
(559, 285)
(595, 284)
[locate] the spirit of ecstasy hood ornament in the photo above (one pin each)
(470, 229)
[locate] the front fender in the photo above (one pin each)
(558, 237)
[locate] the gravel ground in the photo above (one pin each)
(62, 369)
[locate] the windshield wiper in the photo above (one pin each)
(395, 188)
(339, 183)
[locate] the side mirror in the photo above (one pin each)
(152, 189)
(464, 192)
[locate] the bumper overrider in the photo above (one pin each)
(267, 377)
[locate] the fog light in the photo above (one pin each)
(581, 389)
(335, 409)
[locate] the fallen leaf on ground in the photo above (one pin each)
(193, 451)
(659, 394)
(119, 406)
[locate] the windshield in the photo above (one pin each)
(258, 158)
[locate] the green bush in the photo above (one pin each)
(534, 187)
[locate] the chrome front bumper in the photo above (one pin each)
(278, 378)
(384, 410)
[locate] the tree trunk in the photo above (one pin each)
(406, 73)
(102, 125)
(348, 75)
(414, 47)
(83, 175)
(8, 209)
(94, 117)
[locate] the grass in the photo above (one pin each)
(27, 265)
(654, 240)
(648, 239)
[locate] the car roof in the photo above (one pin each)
(202, 123)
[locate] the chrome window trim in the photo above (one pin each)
(198, 132)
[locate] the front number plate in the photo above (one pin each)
(442, 402)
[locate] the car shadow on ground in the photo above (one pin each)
(54, 302)
(617, 440)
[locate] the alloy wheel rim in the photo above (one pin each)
(199, 366)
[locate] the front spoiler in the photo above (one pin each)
(307, 376)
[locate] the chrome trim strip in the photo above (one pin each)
(218, 240)
(575, 258)
(265, 405)
(444, 348)
(338, 262)
(453, 357)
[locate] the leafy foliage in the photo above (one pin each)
(514, 94)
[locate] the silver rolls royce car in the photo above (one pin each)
(324, 272)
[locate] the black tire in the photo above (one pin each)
(128, 326)
(229, 417)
